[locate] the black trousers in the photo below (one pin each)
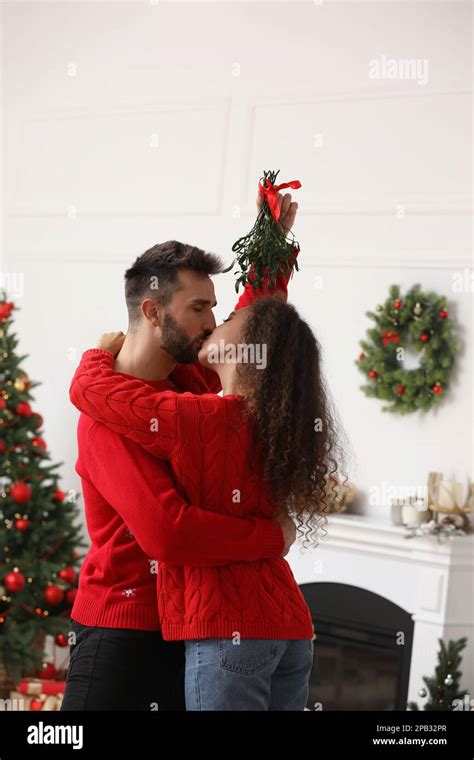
(124, 669)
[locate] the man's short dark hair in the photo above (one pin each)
(154, 274)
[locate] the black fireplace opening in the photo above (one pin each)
(362, 650)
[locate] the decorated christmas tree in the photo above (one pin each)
(38, 538)
(442, 689)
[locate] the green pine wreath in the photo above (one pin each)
(417, 320)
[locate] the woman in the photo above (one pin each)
(266, 447)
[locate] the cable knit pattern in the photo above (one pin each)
(206, 440)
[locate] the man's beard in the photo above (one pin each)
(175, 341)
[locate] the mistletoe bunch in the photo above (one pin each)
(268, 249)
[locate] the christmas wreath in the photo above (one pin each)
(418, 321)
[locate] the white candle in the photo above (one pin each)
(450, 494)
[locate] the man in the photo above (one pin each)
(135, 514)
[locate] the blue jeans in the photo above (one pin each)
(255, 674)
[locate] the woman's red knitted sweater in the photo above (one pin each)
(205, 438)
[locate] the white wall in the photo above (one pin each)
(226, 90)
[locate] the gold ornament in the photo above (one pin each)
(19, 385)
(25, 379)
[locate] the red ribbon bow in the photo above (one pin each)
(270, 194)
(388, 336)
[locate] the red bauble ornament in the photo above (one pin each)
(20, 492)
(38, 420)
(361, 356)
(36, 704)
(39, 443)
(3, 403)
(48, 671)
(68, 575)
(2, 447)
(437, 389)
(22, 524)
(372, 373)
(53, 595)
(14, 581)
(443, 314)
(71, 594)
(59, 495)
(397, 304)
(400, 389)
(61, 640)
(5, 309)
(24, 409)
(424, 337)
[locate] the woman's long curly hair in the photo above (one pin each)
(295, 433)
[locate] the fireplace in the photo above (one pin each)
(363, 649)
(364, 582)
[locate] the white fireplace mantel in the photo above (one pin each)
(431, 580)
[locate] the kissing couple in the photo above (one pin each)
(198, 470)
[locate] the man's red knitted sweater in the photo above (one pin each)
(206, 438)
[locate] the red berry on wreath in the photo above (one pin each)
(20, 492)
(424, 337)
(2, 447)
(14, 581)
(397, 304)
(400, 389)
(361, 356)
(372, 373)
(59, 495)
(68, 575)
(443, 314)
(437, 388)
(61, 640)
(53, 595)
(24, 409)
(22, 524)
